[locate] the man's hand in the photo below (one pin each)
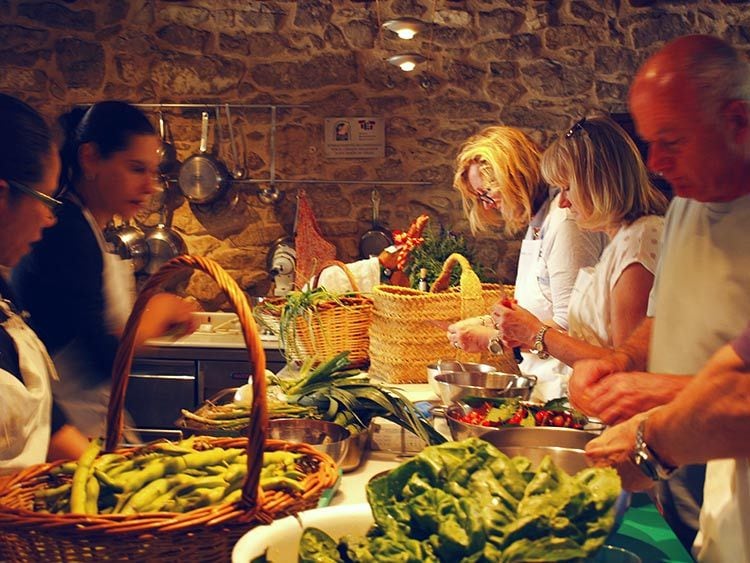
(620, 396)
(614, 448)
(587, 373)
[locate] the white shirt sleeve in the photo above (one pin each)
(570, 250)
(640, 244)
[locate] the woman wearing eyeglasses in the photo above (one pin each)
(77, 289)
(32, 430)
(500, 183)
(605, 188)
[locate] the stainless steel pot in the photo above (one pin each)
(163, 244)
(129, 243)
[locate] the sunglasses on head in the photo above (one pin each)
(577, 126)
(52, 203)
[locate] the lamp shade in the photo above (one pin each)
(406, 62)
(405, 28)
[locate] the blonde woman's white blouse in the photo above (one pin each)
(589, 314)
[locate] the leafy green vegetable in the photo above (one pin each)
(467, 501)
(317, 547)
(438, 245)
(349, 398)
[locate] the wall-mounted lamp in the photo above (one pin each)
(405, 28)
(406, 62)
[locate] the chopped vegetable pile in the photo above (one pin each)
(467, 501)
(514, 412)
(164, 476)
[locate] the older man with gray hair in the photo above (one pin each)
(691, 103)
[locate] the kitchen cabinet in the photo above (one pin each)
(165, 379)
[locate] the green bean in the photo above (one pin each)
(281, 483)
(67, 468)
(280, 456)
(92, 495)
(145, 496)
(211, 457)
(233, 496)
(81, 477)
(107, 481)
(153, 470)
(52, 493)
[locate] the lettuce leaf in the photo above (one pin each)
(467, 501)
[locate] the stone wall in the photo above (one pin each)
(536, 65)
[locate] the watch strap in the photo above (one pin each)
(538, 347)
(647, 460)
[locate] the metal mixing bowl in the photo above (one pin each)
(456, 386)
(445, 366)
(327, 437)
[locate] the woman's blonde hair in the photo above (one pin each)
(509, 164)
(600, 164)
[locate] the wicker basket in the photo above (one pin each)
(205, 534)
(330, 327)
(407, 331)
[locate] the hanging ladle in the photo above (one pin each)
(238, 172)
(269, 195)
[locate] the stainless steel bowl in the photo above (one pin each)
(445, 366)
(358, 444)
(564, 445)
(457, 386)
(327, 437)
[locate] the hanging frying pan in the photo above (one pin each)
(377, 238)
(203, 178)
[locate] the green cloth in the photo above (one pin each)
(644, 532)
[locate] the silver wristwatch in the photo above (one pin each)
(645, 458)
(538, 347)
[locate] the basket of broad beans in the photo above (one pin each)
(187, 501)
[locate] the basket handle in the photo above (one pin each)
(444, 278)
(256, 354)
(344, 267)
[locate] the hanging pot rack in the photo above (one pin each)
(271, 180)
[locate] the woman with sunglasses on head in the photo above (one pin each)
(605, 187)
(79, 292)
(32, 429)
(500, 183)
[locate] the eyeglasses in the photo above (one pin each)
(577, 126)
(486, 198)
(51, 202)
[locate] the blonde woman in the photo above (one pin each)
(605, 187)
(499, 179)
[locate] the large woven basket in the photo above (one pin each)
(330, 327)
(205, 534)
(407, 331)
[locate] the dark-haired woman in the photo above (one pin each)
(32, 430)
(78, 291)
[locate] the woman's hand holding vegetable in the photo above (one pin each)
(516, 325)
(166, 312)
(471, 335)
